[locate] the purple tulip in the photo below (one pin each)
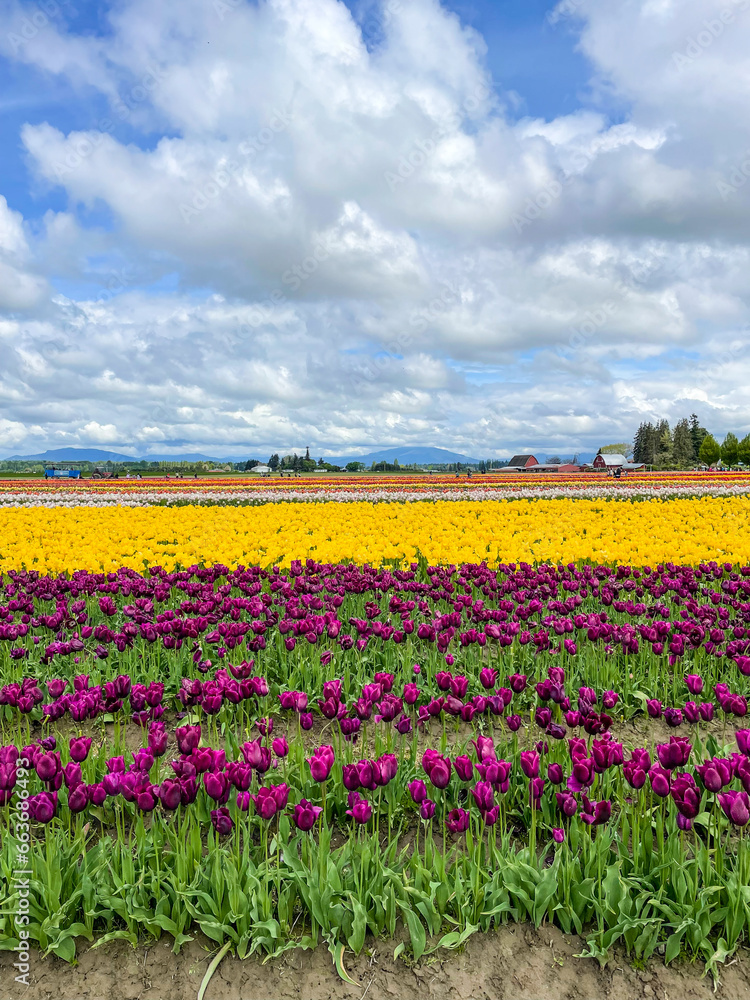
(79, 748)
(320, 767)
(558, 835)
(736, 807)
(47, 766)
(71, 774)
(555, 774)
(361, 811)
(634, 774)
(427, 809)
(673, 717)
(464, 768)
(216, 785)
(530, 763)
(169, 794)
(411, 693)
(674, 754)
(305, 815)
(418, 791)
(266, 804)
(188, 739)
(42, 807)
(686, 795)
(692, 713)
(598, 812)
(610, 699)
(566, 803)
(487, 677)
(484, 795)
(222, 821)
(660, 781)
(536, 788)
(457, 821)
(158, 738)
(653, 707)
(694, 683)
(78, 798)
(517, 682)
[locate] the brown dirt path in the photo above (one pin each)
(516, 963)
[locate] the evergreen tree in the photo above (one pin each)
(273, 462)
(643, 444)
(743, 450)
(729, 450)
(682, 444)
(663, 443)
(697, 433)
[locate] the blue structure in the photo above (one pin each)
(62, 473)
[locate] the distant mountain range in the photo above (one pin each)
(407, 456)
(404, 455)
(98, 455)
(74, 455)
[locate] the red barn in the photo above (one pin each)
(609, 461)
(522, 462)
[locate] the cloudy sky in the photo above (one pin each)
(486, 225)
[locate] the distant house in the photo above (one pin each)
(261, 470)
(519, 463)
(609, 461)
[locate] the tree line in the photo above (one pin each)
(686, 445)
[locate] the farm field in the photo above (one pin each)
(369, 488)
(365, 737)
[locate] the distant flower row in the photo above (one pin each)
(242, 493)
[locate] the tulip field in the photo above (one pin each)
(277, 725)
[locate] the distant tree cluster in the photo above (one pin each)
(298, 463)
(622, 448)
(686, 445)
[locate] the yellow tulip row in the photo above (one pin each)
(59, 540)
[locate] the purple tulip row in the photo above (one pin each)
(202, 770)
(443, 608)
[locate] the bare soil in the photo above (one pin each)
(515, 963)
